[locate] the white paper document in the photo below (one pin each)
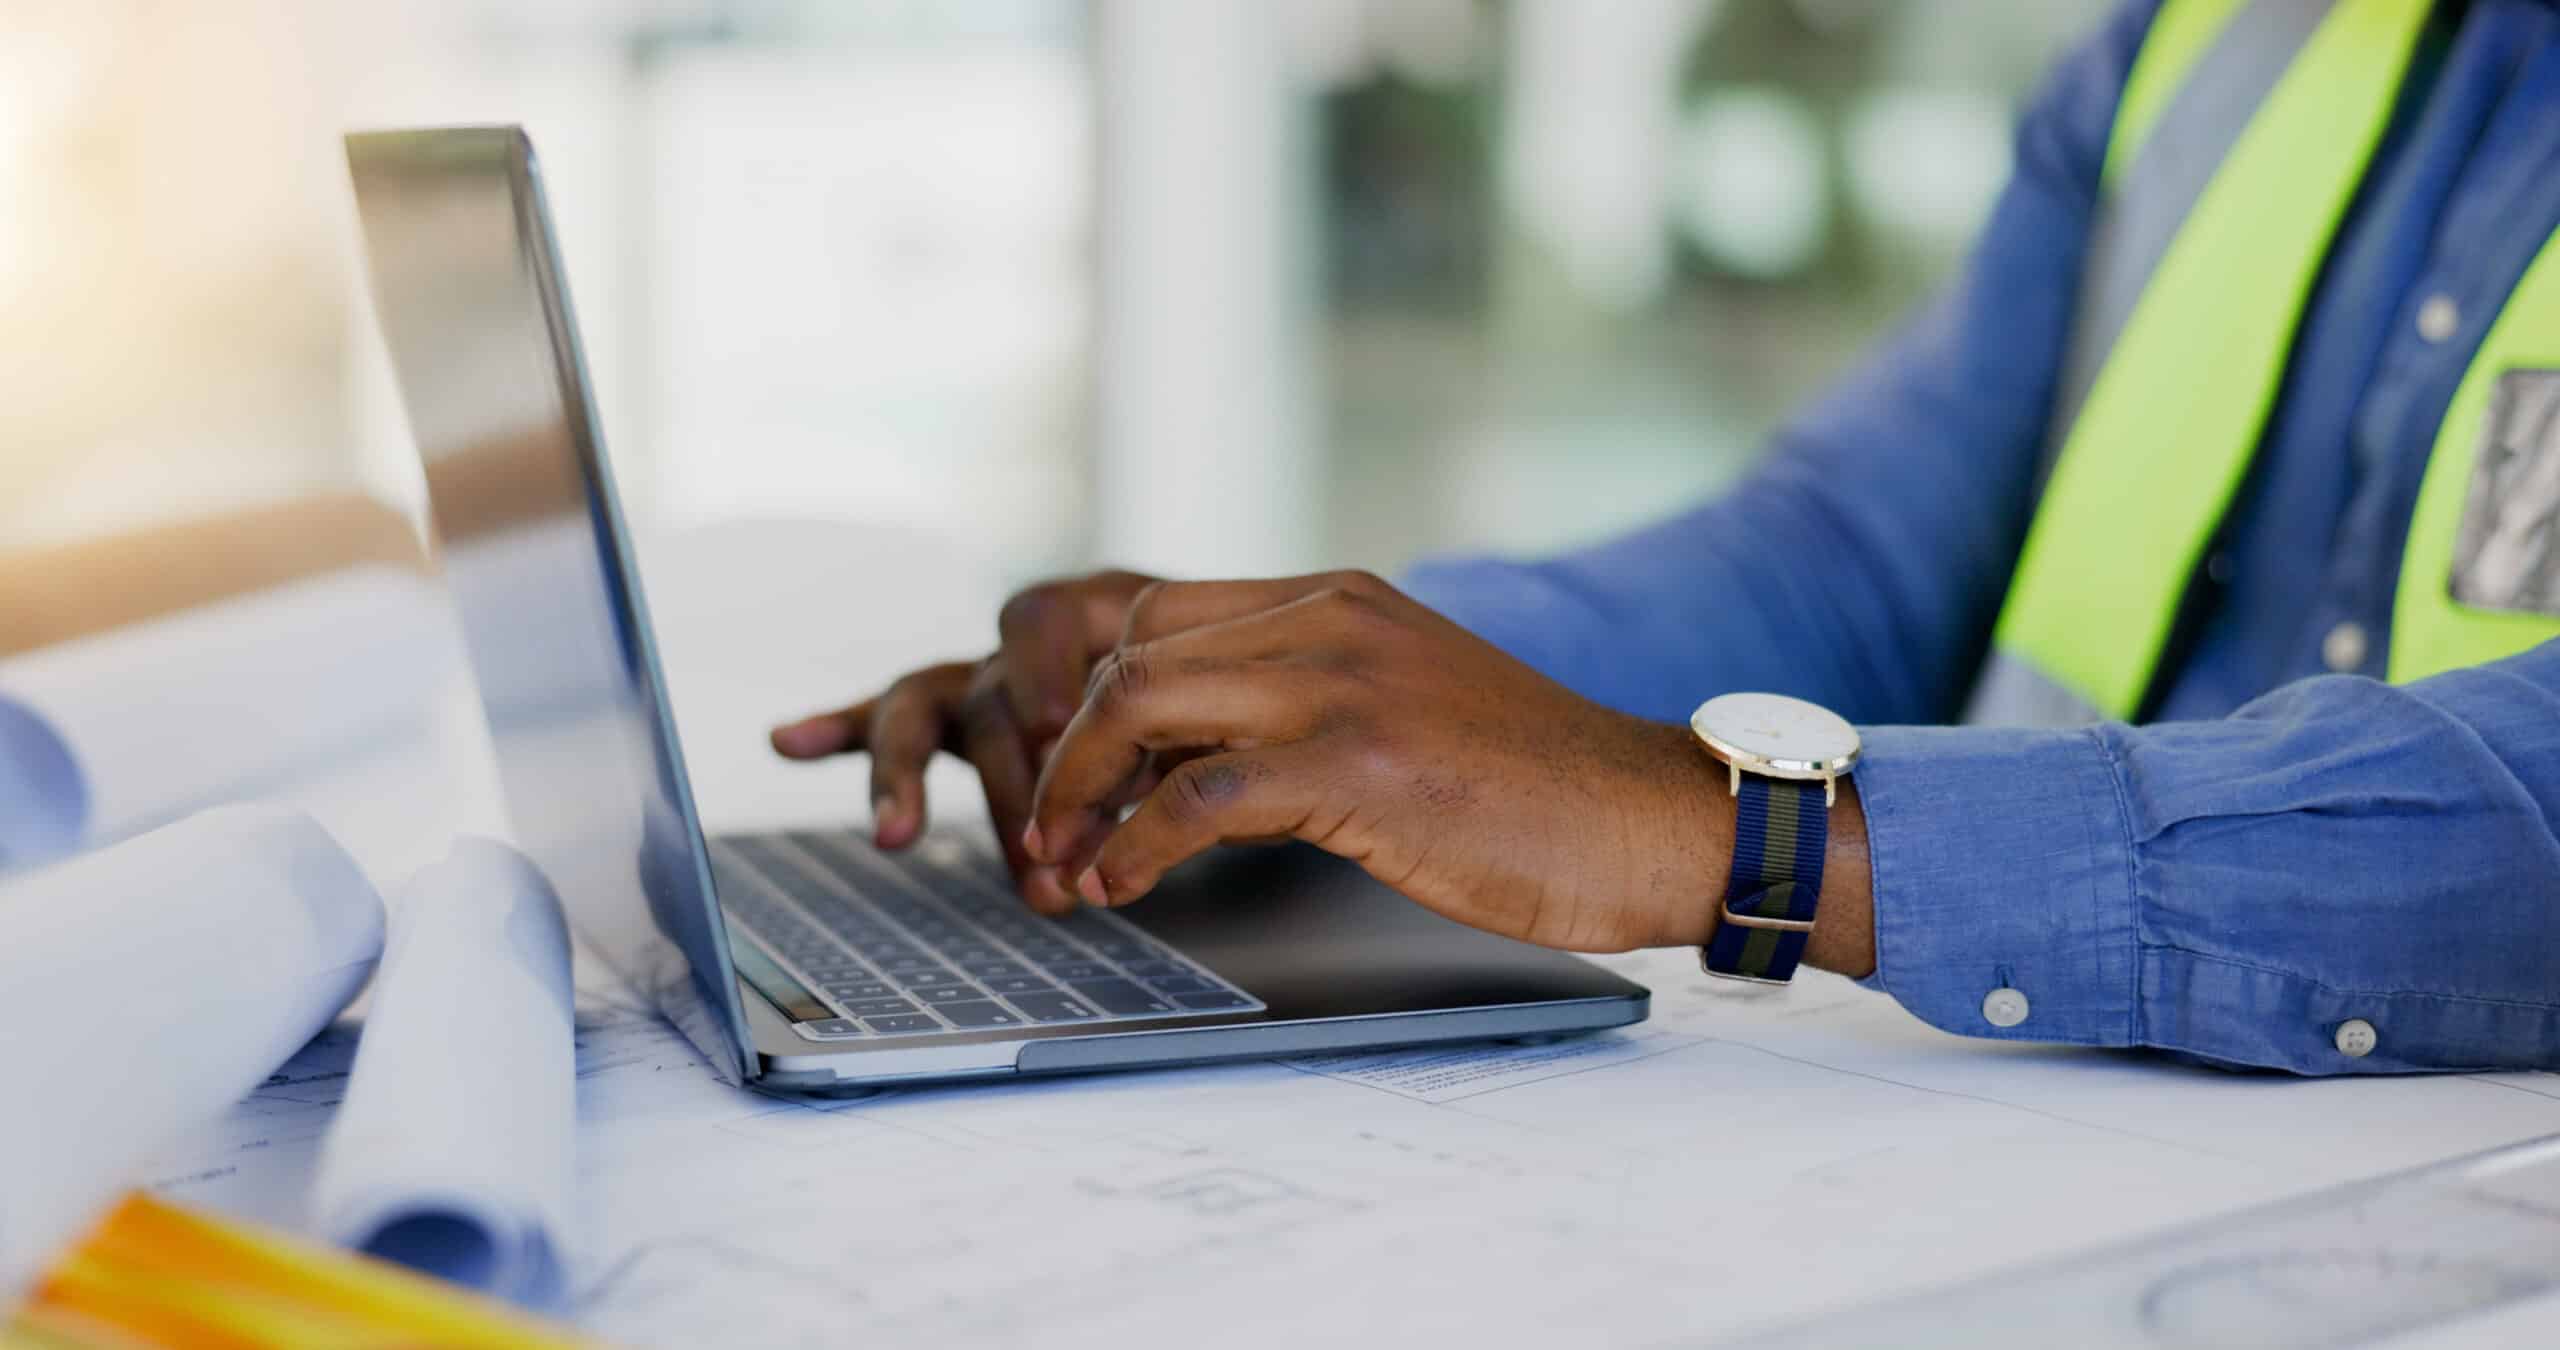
(146, 988)
(216, 704)
(1621, 1189)
(453, 1151)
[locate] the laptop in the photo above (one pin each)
(807, 960)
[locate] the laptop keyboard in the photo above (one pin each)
(933, 940)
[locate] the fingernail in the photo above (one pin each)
(1031, 840)
(1090, 887)
(885, 820)
(1043, 885)
(797, 738)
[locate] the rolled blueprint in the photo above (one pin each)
(452, 1153)
(146, 988)
(217, 703)
(44, 805)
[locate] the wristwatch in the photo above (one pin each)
(1787, 758)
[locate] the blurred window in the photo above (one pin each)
(1550, 267)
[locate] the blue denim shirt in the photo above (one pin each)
(2288, 848)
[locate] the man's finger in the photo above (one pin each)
(1050, 637)
(907, 727)
(991, 740)
(1181, 693)
(831, 733)
(1242, 795)
(1170, 607)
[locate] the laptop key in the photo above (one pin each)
(895, 1026)
(833, 1026)
(1181, 984)
(1021, 984)
(942, 994)
(1078, 969)
(979, 1013)
(877, 1007)
(1212, 1001)
(925, 975)
(1120, 996)
(1052, 1008)
(1152, 970)
(862, 989)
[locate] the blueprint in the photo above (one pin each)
(126, 1022)
(370, 648)
(2423, 1251)
(1747, 1159)
(452, 1151)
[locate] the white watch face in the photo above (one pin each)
(1776, 735)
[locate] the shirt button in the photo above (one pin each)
(2004, 1007)
(2438, 316)
(2343, 649)
(2355, 1038)
(2217, 568)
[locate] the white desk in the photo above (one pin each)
(1738, 1161)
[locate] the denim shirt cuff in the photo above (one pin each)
(2003, 859)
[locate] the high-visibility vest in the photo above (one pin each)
(2242, 134)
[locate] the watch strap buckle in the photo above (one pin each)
(1744, 910)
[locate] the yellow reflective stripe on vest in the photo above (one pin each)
(2431, 632)
(2174, 154)
(2174, 416)
(2180, 33)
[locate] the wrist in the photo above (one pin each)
(1844, 938)
(1695, 858)
(1694, 849)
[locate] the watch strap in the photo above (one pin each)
(1781, 827)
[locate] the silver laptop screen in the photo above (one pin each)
(474, 307)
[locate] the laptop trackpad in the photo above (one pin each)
(1314, 936)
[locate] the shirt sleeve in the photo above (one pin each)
(2237, 890)
(1860, 565)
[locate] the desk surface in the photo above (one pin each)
(1746, 1158)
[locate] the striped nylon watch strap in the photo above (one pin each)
(1781, 827)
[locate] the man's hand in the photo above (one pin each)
(1332, 709)
(1000, 714)
(1336, 710)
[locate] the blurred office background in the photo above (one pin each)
(1198, 285)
